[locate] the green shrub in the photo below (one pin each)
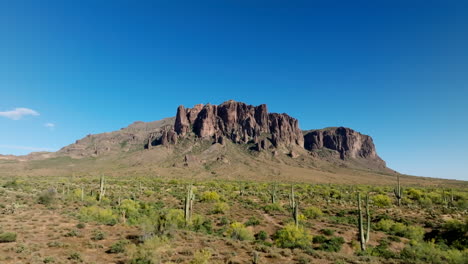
(239, 232)
(319, 239)
(201, 257)
(98, 214)
(253, 221)
(75, 256)
(47, 197)
(327, 232)
(384, 225)
(333, 244)
(175, 218)
(382, 200)
(398, 229)
(220, 208)
(312, 212)
(454, 233)
(48, 260)
(425, 252)
(118, 247)
(274, 207)
(200, 224)
(210, 196)
(292, 236)
(414, 232)
(98, 235)
(261, 236)
(131, 210)
(72, 233)
(7, 237)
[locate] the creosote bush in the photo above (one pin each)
(7, 237)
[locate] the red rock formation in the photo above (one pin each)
(239, 122)
(182, 124)
(349, 143)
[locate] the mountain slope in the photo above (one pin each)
(232, 140)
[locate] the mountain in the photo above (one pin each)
(232, 140)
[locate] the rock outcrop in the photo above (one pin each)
(239, 122)
(347, 142)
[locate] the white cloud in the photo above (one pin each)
(25, 148)
(18, 113)
(50, 126)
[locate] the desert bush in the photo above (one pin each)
(292, 236)
(199, 224)
(131, 210)
(319, 239)
(175, 218)
(48, 260)
(239, 232)
(201, 257)
(98, 235)
(253, 221)
(426, 252)
(148, 252)
(261, 235)
(384, 225)
(414, 194)
(7, 237)
(414, 232)
(220, 208)
(400, 229)
(425, 202)
(75, 256)
(274, 207)
(312, 212)
(72, 233)
(47, 197)
(98, 214)
(333, 244)
(14, 184)
(452, 233)
(327, 232)
(118, 247)
(382, 200)
(210, 196)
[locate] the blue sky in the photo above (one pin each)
(396, 70)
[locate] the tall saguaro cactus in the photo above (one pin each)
(364, 235)
(188, 204)
(272, 193)
(102, 189)
(398, 191)
(294, 206)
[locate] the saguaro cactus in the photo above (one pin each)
(294, 206)
(272, 193)
(188, 204)
(102, 189)
(364, 235)
(82, 193)
(398, 191)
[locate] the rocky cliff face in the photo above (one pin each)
(347, 142)
(240, 123)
